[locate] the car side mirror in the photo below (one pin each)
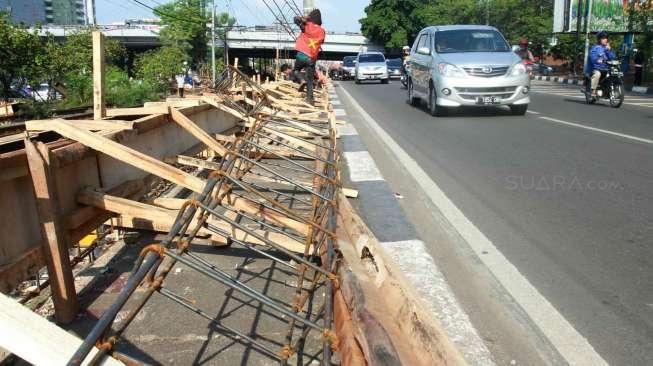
(355, 62)
(424, 51)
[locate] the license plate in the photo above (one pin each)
(488, 100)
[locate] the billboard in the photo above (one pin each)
(605, 15)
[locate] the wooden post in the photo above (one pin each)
(99, 108)
(55, 241)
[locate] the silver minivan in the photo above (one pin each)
(466, 65)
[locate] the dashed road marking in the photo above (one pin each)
(339, 112)
(613, 133)
(347, 130)
(362, 167)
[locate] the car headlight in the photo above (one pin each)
(450, 70)
(518, 69)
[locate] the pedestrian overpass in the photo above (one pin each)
(255, 42)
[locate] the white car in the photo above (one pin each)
(371, 66)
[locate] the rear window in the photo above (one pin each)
(470, 40)
(395, 62)
(371, 57)
(348, 61)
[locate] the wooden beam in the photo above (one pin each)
(99, 107)
(128, 155)
(117, 112)
(55, 243)
(91, 125)
(192, 128)
(37, 340)
(165, 171)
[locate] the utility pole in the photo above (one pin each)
(579, 18)
(588, 27)
(487, 12)
(308, 6)
(213, 42)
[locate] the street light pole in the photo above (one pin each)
(588, 28)
(213, 42)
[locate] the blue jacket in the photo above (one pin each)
(599, 53)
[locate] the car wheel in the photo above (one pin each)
(411, 96)
(385, 81)
(434, 109)
(518, 110)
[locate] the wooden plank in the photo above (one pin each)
(117, 112)
(388, 315)
(217, 104)
(350, 193)
(35, 339)
(55, 244)
(291, 140)
(91, 125)
(190, 126)
(99, 107)
(165, 171)
(128, 155)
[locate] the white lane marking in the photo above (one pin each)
(417, 264)
(339, 112)
(362, 167)
(577, 125)
(571, 345)
(346, 130)
(532, 112)
(336, 102)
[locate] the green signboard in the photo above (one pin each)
(605, 15)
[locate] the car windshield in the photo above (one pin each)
(348, 61)
(371, 57)
(394, 62)
(470, 40)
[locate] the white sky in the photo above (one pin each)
(337, 15)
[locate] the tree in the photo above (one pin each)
(184, 26)
(394, 23)
(18, 53)
(641, 20)
(390, 22)
(158, 67)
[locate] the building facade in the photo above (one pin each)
(57, 12)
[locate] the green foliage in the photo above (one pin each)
(565, 49)
(158, 67)
(123, 91)
(395, 23)
(19, 50)
(185, 27)
(389, 22)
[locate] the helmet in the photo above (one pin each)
(523, 40)
(405, 48)
(602, 34)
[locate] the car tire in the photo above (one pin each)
(433, 107)
(411, 98)
(385, 81)
(518, 110)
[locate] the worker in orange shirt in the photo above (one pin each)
(308, 47)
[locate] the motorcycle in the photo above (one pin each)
(404, 75)
(611, 86)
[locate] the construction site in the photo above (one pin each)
(210, 229)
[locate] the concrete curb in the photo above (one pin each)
(379, 207)
(570, 81)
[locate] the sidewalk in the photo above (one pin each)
(572, 81)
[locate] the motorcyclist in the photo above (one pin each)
(599, 55)
(524, 53)
(404, 65)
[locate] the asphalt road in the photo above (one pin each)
(565, 193)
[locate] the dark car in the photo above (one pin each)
(348, 67)
(394, 67)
